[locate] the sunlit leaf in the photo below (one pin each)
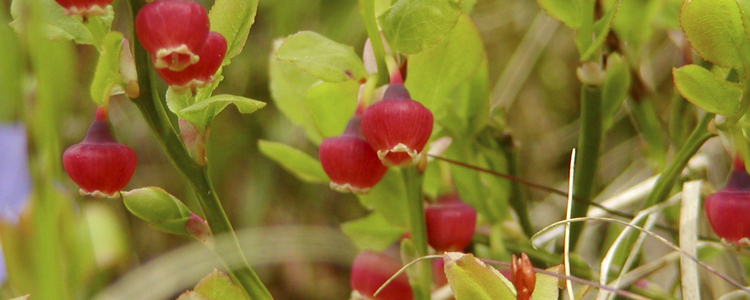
(372, 232)
(471, 279)
(707, 91)
(107, 73)
(322, 57)
(300, 164)
(289, 86)
(714, 29)
(434, 74)
(233, 19)
(331, 105)
(411, 26)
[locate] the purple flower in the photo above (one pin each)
(15, 182)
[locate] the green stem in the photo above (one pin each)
(667, 178)
(367, 12)
(518, 199)
(587, 155)
(164, 127)
(418, 230)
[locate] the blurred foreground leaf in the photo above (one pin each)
(321, 57)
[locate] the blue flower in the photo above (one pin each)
(15, 181)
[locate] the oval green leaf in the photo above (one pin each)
(714, 29)
(411, 26)
(708, 91)
(215, 286)
(303, 166)
(372, 232)
(322, 57)
(203, 112)
(107, 73)
(567, 11)
(331, 105)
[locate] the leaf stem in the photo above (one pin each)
(367, 12)
(164, 127)
(418, 229)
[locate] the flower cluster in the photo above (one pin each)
(184, 52)
(391, 132)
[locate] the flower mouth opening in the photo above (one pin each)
(348, 188)
(99, 194)
(743, 242)
(395, 157)
(94, 10)
(175, 58)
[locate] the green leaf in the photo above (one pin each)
(159, 208)
(107, 73)
(203, 112)
(411, 26)
(708, 91)
(372, 232)
(215, 286)
(615, 89)
(471, 279)
(109, 240)
(567, 11)
(714, 29)
(388, 197)
(233, 19)
(435, 73)
(289, 86)
(58, 26)
(331, 105)
(303, 166)
(322, 57)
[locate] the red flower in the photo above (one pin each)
(350, 162)
(397, 127)
(450, 224)
(727, 209)
(99, 164)
(173, 31)
(201, 73)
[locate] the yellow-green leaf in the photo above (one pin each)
(708, 91)
(714, 29)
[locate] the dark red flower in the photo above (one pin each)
(99, 164)
(350, 162)
(450, 224)
(173, 31)
(728, 209)
(371, 270)
(84, 8)
(201, 73)
(397, 127)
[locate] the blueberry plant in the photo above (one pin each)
(404, 121)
